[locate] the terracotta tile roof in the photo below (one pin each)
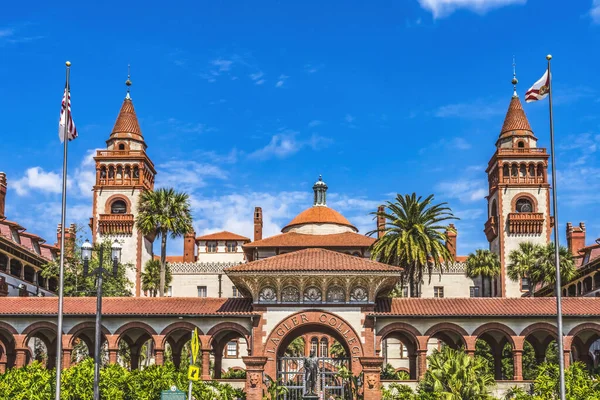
(171, 259)
(515, 119)
(127, 125)
(224, 235)
(319, 215)
(491, 307)
(293, 239)
(115, 306)
(26, 240)
(314, 260)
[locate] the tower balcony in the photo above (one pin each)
(522, 150)
(116, 224)
(491, 228)
(525, 223)
(530, 180)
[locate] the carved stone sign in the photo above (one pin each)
(321, 318)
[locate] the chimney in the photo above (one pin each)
(189, 247)
(380, 222)
(451, 242)
(2, 194)
(258, 223)
(575, 238)
(70, 236)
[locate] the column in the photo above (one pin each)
(21, 357)
(372, 371)
(113, 353)
(517, 365)
(470, 345)
(421, 363)
(205, 365)
(66, 358)
(255, 367)
(159, 356)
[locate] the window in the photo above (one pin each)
(314, 344)
(521, 144)
(211, 247)
(232, 349)
(201, 291)
(170, 291)
(403, 351)
(236, 292)
(121, 146)
(525, 284)
(118, 207)
(438, 291)
(474, 291)
(524, 206)
(231, 247)
(324, 348)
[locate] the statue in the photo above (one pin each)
(311, 367)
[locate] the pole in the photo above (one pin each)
(61, 272)
(98, 329)
(191, 363)
(559, 322)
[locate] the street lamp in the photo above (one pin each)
(86, 255)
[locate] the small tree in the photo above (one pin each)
(485, 264)
(151, 277)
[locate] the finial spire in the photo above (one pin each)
(320, 189)
(514, 79)
(128, 81)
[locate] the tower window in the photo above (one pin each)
(121, 146)
(118, 207)
(521, 144)
(524, 206)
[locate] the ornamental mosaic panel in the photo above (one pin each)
(359, 294)
(336, 294)
(268, 295)
(313, 294)
(290, 294)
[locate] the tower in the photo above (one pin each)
(123, 172)
(519, 192)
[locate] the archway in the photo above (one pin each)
(495, 343)
(586, 344)
(82, 342)
(229, 342)
(405, 335)
(320, 325)
(7, 346)
(136, 345)
(40, 338)
(539, 346)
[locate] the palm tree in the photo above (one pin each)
(151, 277)
(414, 237)
(485, 264)
(161, 213)
(454, 375)
(522, 262)
(295, 348)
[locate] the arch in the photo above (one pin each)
(171, 329)
(80, 328)
(540, 326)
(495, 327)
(585, 327)
(523, 195)
(217, 331)
(7, 327)
(405, 330)
(444, 327)
(3, 262)
(38, 326)
(15, 267)
(147, 332)
(114, 198)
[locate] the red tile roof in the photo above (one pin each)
(127, 125)
(489, 307)
(115, 306)
(515, 119)
(26, 240)
(224, 235)
(319, 215)
(314, 260)
(170, 259)
(293, 239)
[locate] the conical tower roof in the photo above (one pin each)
(127, 125)
(515, 122)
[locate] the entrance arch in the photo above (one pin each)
(302, 322)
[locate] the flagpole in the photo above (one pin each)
(559, 322)
(61, 273)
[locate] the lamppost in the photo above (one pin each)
(86, 255)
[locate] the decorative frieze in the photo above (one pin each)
(525, 223)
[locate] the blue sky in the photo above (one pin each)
(244, 104)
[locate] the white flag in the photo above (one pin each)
(66, 119)
(539, 90)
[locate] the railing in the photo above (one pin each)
(523, 179)
(290, 371)
(116, 224)
(522, 150)
(491, 228)
(120, 153)
(525, 223)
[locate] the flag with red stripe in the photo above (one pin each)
(539, 90)
(66, 119)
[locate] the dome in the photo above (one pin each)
(319, 215)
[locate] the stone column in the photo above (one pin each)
(421, 363)
(66, 358)
(159, 356)
(113, 354)
(21, 357)
(567, 357)
(255, 367)
(470, 347)
(205, 365)
(518, 365)
(372, 369)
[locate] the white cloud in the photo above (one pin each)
(311, 69)
(281, 81)
(6, 32)
(257, 77)
(85, 174)
(222, 65)
(443, 8)
(37, 179)
(595, 11)
(466, 190)
(187, 175)
(285, 144)
(478, 109)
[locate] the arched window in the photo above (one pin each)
(268, 295)
(520, 144)
(111, 172)
(359, 295)
(3, 262)
(127, 172)
(15, 267)
(314, 345)
(290, 294)
(136, 172)
(118, 207)
(103, 172)
(336, 294)
(515, 170)
(531, 170)
(522, 170)
(119, 172)
(121, 146)
(524, 205)
(505, 170)
(494, 209)
(324, 348)
(540, 170)
(312, 294)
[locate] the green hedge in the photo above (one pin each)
(34, 382)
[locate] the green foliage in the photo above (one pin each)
(337, 350)
(454, 375)
(397, 391)
(77, 285)
(352, 383)
(34, 382)
(537, 263)
(485, 264)
(388, 372)
(234, 374)
(162, 213)
(414, 237)
(274, 389)
(151, 277)
(295, 348)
